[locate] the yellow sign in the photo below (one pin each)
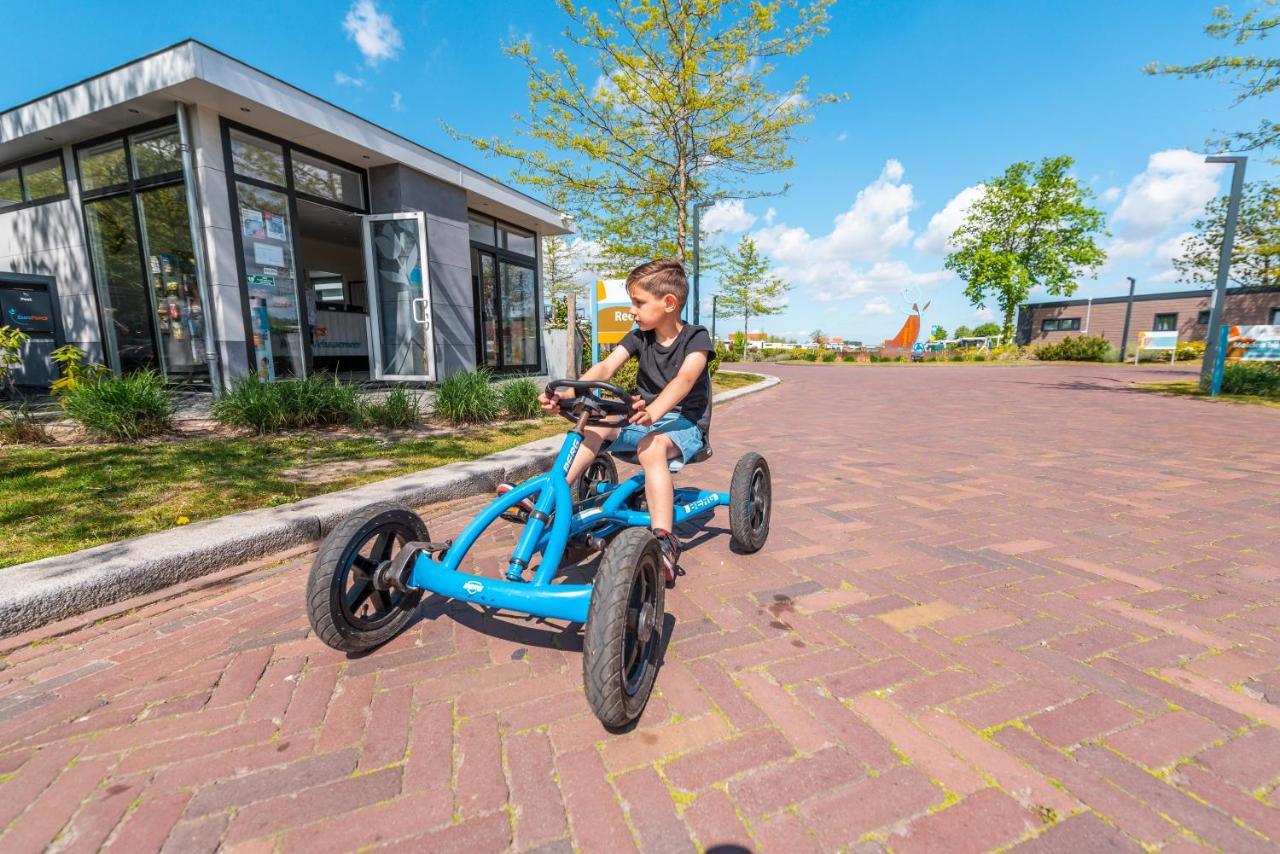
(613, 311)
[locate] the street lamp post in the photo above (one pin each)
(1211, 354)
(715, 298)
(698, 208)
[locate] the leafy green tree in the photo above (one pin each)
(560, 262)
(747, 288)
(1252, 76)
(985, 330)
(963, 332)
(939, 333)
(1255, 251)
(681, 109)
(1032, 227)
(817, 337)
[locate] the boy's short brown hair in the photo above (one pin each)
(661, 277)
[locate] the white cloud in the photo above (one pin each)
(794, 101)
(842, 136)
(1173, 189)
(397, 102)
(769, 215)
(728, 216)
(344, 79)
(984, 314)
(604, 86)
(937, 235)
(853, 258)
(1172, 248)
(877, 305)
(373, 32)
(1110, 194)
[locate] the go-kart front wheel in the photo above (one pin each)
(350, 607)
(750, 503)
(623, 634)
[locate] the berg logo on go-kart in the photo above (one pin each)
(700, 504)
(473, 587)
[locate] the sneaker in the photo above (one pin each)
(669, 546)
(525, 504)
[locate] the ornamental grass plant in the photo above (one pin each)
(125, 408)
(468, 397)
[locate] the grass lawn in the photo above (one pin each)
(55, 500)
(725, 380)
(1191, 388)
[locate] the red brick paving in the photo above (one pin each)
(1000, 607)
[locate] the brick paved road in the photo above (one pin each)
(999, 605)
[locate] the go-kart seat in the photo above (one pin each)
(630, 457)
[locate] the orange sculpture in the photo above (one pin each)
(907, 335)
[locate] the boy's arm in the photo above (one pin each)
(693, 366)
(601, 370)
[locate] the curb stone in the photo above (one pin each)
(43, 591)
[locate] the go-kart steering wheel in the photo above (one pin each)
(605, 404)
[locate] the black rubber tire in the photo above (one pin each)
(750, 503)
(328, 606)
(602, 469)
(618, 676)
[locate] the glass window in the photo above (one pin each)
(519, 334)
(515, 240)
(1060, 324)
(10, 189)
(113, 245)
(1203, 317)
(272, 288)
(43, 179)
(482, 230)
(103, 166)
(316, 177)
(257, 158)
(1275, 317)
(1166, 322)
(171, 273)
(155, 152)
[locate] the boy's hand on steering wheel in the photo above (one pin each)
(550, 405)
(640, 414)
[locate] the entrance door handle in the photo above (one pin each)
(419, 308)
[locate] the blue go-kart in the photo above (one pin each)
(372, 570)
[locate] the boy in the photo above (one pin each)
(672, 413)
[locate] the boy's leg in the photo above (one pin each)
(654, 451)
(592, 438)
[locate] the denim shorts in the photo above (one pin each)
(680, 430)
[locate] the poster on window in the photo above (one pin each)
(251, 224)
(274, 224)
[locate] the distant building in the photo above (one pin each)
(1184, 311)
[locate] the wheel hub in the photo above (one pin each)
(646, 623)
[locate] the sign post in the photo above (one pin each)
(1224, 263)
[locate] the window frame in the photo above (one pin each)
(1275, 316)
(1155, 321)
(1073, 324)
(1202, 317)
(19, 165)
(292, 195)
(499, 255)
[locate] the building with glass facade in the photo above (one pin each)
(192, 214)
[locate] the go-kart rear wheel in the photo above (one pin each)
(750, 503)
(348, 611)
(623, 635)
(602, 470)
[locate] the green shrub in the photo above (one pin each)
(397, 411)
(520, 398)
(467, 397)
(980, 357)
(1075, 348)
(628, 375)
(129, 407)
(899, 358)
(828, 357)
(956, 357)
(1258, 378)
(713, 364)
(18, 427)
(75, 370)
(12, 340)
(1188, 350)
(318, 400)
(849, 357)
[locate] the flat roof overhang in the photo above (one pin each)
(194, 73)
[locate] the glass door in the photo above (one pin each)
(507, 298)
(399, 296)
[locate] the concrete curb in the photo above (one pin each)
(37, 593)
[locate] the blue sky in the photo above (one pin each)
(941, 96)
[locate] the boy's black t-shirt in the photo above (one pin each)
(658, 366)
